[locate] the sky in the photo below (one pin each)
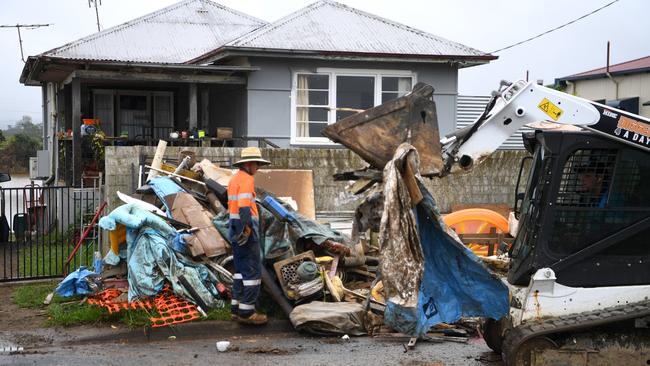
(483, 24)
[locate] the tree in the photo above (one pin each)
(2, 137)
(16, 152)
(27, 127)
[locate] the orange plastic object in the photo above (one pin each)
(106, 299)
(476, 221)
(90, 121)
(117, 237)
(173, 310)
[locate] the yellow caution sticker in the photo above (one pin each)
(550, 109)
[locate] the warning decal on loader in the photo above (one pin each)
(550, 109)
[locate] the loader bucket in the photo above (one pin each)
(375, 133)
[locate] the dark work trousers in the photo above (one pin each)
(247, 278)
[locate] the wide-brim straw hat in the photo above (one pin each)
(251, 154)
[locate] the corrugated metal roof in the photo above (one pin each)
(638, 65)
(333, 27)
(470, 107)
(174, 34)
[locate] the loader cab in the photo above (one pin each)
(585, 212)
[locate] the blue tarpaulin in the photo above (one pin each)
(453, 282)
(163, 187)
(75, 283)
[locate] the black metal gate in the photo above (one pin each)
(39, 227)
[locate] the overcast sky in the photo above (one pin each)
(483, 24)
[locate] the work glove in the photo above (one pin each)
(242, 238)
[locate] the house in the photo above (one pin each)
(625, 86)
(198, 65)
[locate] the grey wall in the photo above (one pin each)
(269, 92)
(492, 182)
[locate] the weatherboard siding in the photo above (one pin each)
(633, 85)
(269, 91)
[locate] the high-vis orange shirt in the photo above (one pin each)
(241, 193)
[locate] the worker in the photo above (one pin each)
(244, 238)
(595, 180)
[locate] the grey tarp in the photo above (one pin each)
(429, 276)
(326, 318)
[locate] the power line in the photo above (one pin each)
(20, 38)
(556, 28)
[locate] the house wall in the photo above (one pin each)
(492, 182)
(269, 92)
(635, 85)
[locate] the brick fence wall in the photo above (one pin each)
(492, 182)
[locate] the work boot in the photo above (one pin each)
(254, 319)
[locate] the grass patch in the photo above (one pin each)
(73, 314)
(68, 312)
(46, 255)
(32, 296)
(219, 314)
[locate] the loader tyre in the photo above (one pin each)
(492, 331)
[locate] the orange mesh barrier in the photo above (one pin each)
(106, 299)
(173, 310)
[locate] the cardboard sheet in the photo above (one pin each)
(207, 240)
(297, 184)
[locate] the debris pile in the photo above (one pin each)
(402, 269)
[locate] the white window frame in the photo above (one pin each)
(333, 73)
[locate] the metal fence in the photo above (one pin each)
(39, 227)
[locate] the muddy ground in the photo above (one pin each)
(278, 349)
(194, 344)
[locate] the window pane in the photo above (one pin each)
(308, 97)
(301, 129)
(401, 84)
(316, 128)
(318, 114)
(305, 129)
(304, 114)
(357, 92)
(385, 97)
(311, 81)
(389, 84)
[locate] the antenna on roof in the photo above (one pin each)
(96, 3)
(20, 38)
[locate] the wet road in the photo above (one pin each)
(276, 349)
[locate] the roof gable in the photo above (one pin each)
(174, 34)
(333, 27)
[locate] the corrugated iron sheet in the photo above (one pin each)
(470, 107)
(639, 64)
(174, 34)
(330, 26)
